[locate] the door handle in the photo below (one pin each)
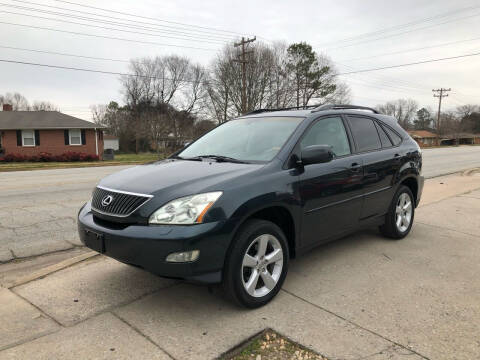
(355, 167)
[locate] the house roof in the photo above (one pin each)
(422, 134)
(459, 136)
(20, 120)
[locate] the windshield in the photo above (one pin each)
(248, 139)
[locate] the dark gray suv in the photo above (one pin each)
(241, 201)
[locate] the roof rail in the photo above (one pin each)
(344, 107)
(258, 111)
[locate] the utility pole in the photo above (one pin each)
(243, 60)
(440, 93)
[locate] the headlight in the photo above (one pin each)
(186, 210)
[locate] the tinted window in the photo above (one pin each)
(383, 137)
(393, 135)
(365, 133)
(329, 131)
(249, 139)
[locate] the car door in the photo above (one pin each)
(380, 162)
(331, 192)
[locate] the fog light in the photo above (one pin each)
(184, 256)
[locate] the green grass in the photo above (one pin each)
(120, 159)
(270, 345)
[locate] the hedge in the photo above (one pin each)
(47, 157)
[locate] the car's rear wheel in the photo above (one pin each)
(399, 220)
(257, 264)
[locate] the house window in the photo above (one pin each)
(28, 138)
(75, 137)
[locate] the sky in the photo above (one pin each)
(422, 30)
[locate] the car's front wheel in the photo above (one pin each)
(257, 263)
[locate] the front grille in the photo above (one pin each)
(121, 203)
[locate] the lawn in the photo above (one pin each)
(270, 345)
(120, 159)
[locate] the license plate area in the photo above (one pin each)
(95, 241)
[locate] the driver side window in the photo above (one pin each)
(328, 131)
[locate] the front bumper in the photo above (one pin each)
(148, 246)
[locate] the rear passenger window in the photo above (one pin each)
(383, 137)
(393, 135)
(365, 133)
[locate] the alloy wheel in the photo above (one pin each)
(403, 212)
(262, 265)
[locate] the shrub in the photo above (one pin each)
(47, 157)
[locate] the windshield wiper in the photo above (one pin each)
(218, 158)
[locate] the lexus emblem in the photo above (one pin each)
(107, 200)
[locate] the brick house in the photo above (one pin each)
(32, 132)
(424, 138)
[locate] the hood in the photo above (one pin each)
(176, 177)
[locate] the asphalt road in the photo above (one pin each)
(38, 208)
(441, 161)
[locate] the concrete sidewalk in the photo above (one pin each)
(362, 297)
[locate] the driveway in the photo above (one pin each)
(362, 297)
(38, 208)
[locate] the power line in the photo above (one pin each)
(401, 33)
(146, 17)
(108, 28)
(402, 26)
(383, 87)
(90, 70)
(62, 54)
(156, 77)
(107, 37)
(413, 49)
(387, 79)
(409, 64)
(157, 28)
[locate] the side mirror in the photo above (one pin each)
(316, 154)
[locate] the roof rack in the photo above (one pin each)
(306, 107)
(343, 107)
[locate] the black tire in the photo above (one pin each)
(390, 228)
(233, 272)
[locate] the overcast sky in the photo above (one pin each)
(323, 24)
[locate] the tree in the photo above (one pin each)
(219, 90)
(166, 84)
(43, 106)
(310, 74)
(466, 110)
(469, 117)
(471, 123)
(20, 103)
(116, 119)
(17, 100)
(278, 76)
(403, 110)
(424, 119)
(450, 124)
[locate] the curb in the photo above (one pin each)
(52, 268)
